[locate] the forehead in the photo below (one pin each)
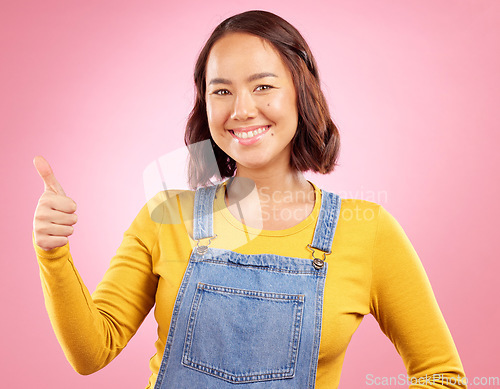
(240, 54)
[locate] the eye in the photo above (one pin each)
(221, 92)
(263, 87)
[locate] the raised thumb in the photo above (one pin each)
(49, 179)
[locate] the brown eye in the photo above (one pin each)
(263, 87)
(221, 92)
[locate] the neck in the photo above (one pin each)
(268, 183)
(266, 200)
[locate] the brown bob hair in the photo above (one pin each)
(316, 144)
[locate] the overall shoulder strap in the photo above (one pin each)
(327, 221)
(203, 210)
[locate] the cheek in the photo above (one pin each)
(211, 120)
(282, 107)
(210, 112)
(216, 115)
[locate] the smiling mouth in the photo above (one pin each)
(250, 134)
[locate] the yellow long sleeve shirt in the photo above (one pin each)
(373, 268)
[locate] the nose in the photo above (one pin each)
(244, 107)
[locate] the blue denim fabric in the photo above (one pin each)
(253, 321)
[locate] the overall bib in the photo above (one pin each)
(247, 321)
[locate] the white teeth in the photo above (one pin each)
(249, 134)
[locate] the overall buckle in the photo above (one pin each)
(318, 263)
(202, 249)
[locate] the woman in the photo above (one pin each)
(260, 280)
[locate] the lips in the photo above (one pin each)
(249, 135)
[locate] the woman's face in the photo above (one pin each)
(251, 102)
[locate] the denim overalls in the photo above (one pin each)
(247, 321)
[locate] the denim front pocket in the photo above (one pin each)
(243, 335)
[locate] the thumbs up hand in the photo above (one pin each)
(55, 213)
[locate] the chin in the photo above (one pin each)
(251, 164)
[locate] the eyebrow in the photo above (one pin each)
(253, 77)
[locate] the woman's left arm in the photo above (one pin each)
(403, 303)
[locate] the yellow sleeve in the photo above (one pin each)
(403, 303)
(93, 329)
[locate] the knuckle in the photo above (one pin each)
(40, 216)
(42, 243)
(46, 196)
(43, 229)
(42, 202)
(46, 203)
(69, 205)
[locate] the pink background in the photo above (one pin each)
(103, 88)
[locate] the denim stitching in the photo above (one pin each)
(223, 256)
(317, 339)
(268, 269)
(203, 205)
(327, 221)
(171, 332)
(280, 373)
